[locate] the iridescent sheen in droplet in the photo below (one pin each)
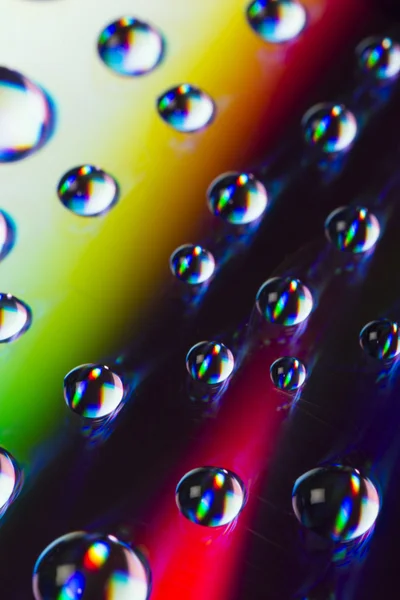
(352, 229)
(93, 391)
(210, 496)
(329, 127)
(7, 234)
(381, 339)
(88, 191)
(336, 502)
(276, 20)
(288, 373)
(186, 108)
(192, 264)
(26, 116)
(284, 301)
(130, 47)
(210, 362)
(88, 566)
(379, 57)
(8, 479)
(15, 318)
(238, 198)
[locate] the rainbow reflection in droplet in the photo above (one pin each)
(381, 339)
(93, 391)
(329, 127)
(284, 301)
(8, 479)
(15, 318)
(192, 264)
(7, 234)
(352, 229)
(88, 191)
(379, 57)
(186, 108)
(288, 373)
(276, 20)
(210, 362)
(238, 198)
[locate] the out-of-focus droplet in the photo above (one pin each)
(335, 502)
(15, 318)
(88, 191)
(284, 301)
(186, 108)
(8, 479)
(329, 127)
(210, 362)
(26, 116)
(381, 339)
(239, 198)
(276, 20)
(379, 56)
(210, 496)
(288, 373)
(93, 391)
(130, 47)
(192, 264)
(352, 229)
(84, 566)
(6, 234)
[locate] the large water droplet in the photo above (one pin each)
(210, 362)
(83, 566)
(8, 479)
(186, 108)
(210, 496)
(192, 264)
(329, 127)
(335, 502)
(284, 301)
(130, 47)
(379, 56)
(93, 391)
(238, 198)
(381, 339)
(15, 318)
(288, 373)
(352, 229)
(26, 117)
(88, 191)
(276, 20)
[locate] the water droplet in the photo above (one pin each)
(130, 47)
(186, 108)
(210, 496)
(26, 117)
(239, 198)
(288, 373)
(329, 127)
(276, 20)
(380, 339)
(83, 566)
(7, 234)
(93, 391)
(88, 191)
(335, 502)
(352, 229)
(15, 318)
(284, 301)
(8, 479)
(379, 56)
(210, 362)
(192, 264)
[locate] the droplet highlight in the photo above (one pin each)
(93, 391)
(380, 339)
(329, 127)
(284, 301)
(288, 373)
(15, 318)
(352, 229)
(277, 21)
(192, 264)
(379, 57)
(88, 191)
(210, 362)
(238, 198)
(186, 108)
(8, 480)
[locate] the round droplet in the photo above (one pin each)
(192, 264)
(380, 57)
(7, 234)
(335, 502)
(88, 191)
(15, 318)
(329, 127)
(26, 117)
(210, 362)
(130, 47)
(8, 479)
(239, 198)
(83, 566)
(352, 229)
(93, 391)
(284, 301)
(288, 373)
(186, 108)
(210, 496)
(276, 20)
(380, 339)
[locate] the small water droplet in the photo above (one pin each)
(288, 373)
(7, 234)
(186, 108)
(8, 479)
(239, 198)
(352, 229)
(82, 566)
(88, 191)
(15, 318)
(380, 339)
(379, 56)
(192, 264)
(210, 496)
(329, 127)
(130, 47)
(210, 362)
(93, 391)
(284, 301)
(276, 20)
(335, 502)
